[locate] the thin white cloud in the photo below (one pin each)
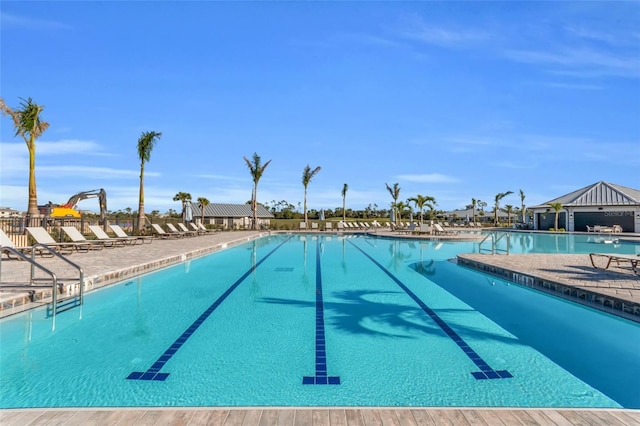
(69, 146)
(89, 172)
(35, 24)
(427, 178)
(514, 165)
(415, 28)
(584, 62)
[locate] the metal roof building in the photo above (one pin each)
(603, 203)
(231, 216)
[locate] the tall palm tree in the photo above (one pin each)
(28, 124)
(556, 207)
(146, 142)
(203, 203)
(395, 194)
(474, 203)
(508, 208)
(183, 197)
(499, 197)
(307, 174)
(257, 169)
(522, 207)
(422, 201)
(345, 188)
(400, 207)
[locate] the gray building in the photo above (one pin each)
(231, 216)
(602, 203)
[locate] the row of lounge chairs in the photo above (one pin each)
(79, 243)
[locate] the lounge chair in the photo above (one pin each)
(327, 226)
(409, 229)
(203, 228)
(187, 231)
(103, 236)
(439, 230)
(303, 225)
(161, 233)
(425, 229)
(173, 230)
(43, 237)
(77, 237)
(632, 259)
(314, 226)
(137, 238)
(197, 229)
(5, 241)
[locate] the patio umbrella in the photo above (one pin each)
(188, 214)
(321, 214)
(392, 217)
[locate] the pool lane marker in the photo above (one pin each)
(320, 377)
(153, 373)
(486, 372)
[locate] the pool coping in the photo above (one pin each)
(606, 303)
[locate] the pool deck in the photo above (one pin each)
(572, 275)
(325, 416)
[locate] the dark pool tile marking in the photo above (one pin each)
(153, 373)
(321, 377)
(486, 372)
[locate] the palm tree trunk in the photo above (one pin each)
(254, 207)
(32, 208)
(141, 217)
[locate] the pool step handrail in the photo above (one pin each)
(54, 278)
(494, 243)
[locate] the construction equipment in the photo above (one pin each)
(69, 208)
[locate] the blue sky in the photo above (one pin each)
(456, 100)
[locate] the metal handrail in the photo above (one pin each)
(492, 236)
(494, 243)
(34, 264)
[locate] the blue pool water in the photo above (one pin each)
(315, 320)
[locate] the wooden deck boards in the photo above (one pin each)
(318, 416)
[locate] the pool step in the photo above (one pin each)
(63, 305)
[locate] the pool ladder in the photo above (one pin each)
(57, 304)
(494, 243)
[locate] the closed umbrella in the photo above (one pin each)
(188, 214)
(322, 214)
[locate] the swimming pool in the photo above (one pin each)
(319, 320)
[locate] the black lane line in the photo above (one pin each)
(486, 372)
(153, 373)
(320, 377)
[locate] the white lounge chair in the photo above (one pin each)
(314, 226)
(303, 225)
(43, 237)
(187, 231)
(206, 230)
(161, 233)
(77, 237)
(120, 233)
(103, 236)
(328, 226)
(173, 230)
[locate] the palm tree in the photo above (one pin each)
(400, 207)
(421, 202)
(146, 142)
(345, 187)
(256, 169)
(508, 208)
(474, 203)
(499, 197)
(26, 120)
(556, 207)
(395, 194)
(522, 207)
(307, 174)
(203, 203)
(183, 197)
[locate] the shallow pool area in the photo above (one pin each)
(317, 320)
